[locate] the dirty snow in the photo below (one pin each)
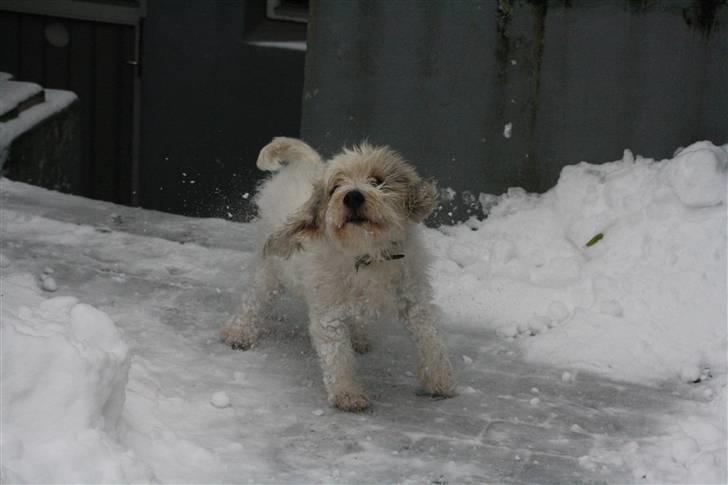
(579, 358)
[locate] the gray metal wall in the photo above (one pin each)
(439, 80)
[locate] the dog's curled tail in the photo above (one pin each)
(284, 149)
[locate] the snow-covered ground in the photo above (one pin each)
(587, 325)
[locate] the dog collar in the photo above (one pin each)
(385, 255)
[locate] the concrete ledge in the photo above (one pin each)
(42, 144)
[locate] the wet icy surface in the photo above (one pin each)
(168, 282)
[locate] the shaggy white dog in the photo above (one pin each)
(344, 235)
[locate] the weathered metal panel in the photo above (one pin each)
(439, 81)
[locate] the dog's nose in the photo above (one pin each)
(353, 199)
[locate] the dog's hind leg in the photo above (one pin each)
(241, 331)
(332, 339)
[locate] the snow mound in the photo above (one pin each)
(697, 174)
(620, 269)
(64, 373)
(618, 264)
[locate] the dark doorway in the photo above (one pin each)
(220, 79)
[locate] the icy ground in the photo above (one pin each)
(580, 358)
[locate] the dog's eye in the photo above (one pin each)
(333, 189)
(376, 181)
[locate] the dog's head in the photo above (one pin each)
(363, 202)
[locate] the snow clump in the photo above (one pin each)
(64, 373)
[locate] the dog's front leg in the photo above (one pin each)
(434, 370)
(241, 331)
(332, 340)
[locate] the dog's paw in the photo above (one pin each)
(439, 382)
(237, 335)
(351, 401)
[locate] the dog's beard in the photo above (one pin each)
(364, 230)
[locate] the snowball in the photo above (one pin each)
(48, 270)
(318, 412)
(534, 401)
(507, 130)
(698, 175)
(48, 284)
(467, 360)
(220, 400)
(566, 376)
(535, 390)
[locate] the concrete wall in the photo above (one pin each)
(577, 80)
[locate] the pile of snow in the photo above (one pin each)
(619, 269)
(64, 374)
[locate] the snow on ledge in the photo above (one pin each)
(56, 101)
(14, 92)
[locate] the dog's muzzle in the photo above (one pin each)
(354, 200)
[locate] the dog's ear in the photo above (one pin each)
(306, 223)
(421, 200)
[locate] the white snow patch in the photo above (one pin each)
(645, 303)
(64, 371)
(220, 399)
